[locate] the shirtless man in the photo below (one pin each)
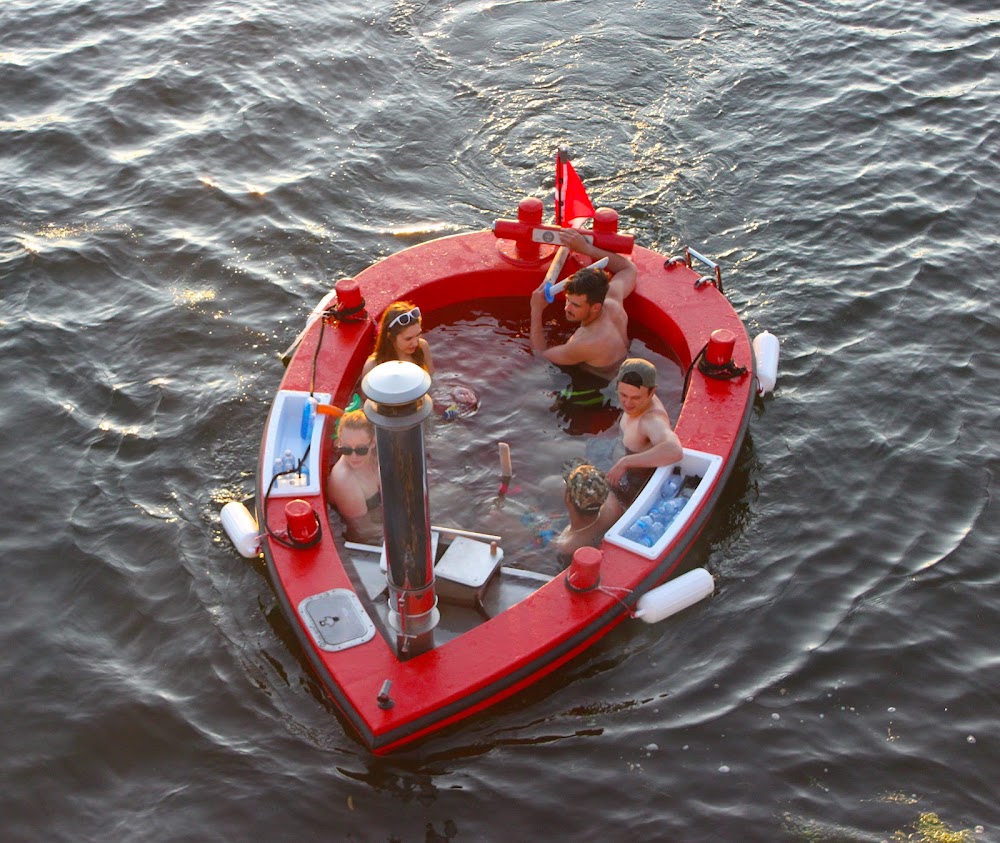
(592, 510)
(601, 341)
(647, 435)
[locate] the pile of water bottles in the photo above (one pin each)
(286, 466)
(674, 495)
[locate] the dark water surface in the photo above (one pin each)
(182, 181)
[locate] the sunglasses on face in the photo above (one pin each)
(407, 318)
(361, 452)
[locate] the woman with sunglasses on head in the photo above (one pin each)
(353, 485)
(399, 338)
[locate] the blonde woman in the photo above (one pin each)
(353, 485)
(399, 338)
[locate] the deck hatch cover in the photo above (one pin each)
(336, 620)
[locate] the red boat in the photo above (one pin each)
(404, 660)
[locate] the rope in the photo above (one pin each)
(607, 589)
(347, 314)
(727, 371)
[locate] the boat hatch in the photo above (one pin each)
(465, 570)
(336, 620)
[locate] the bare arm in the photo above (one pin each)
(622, 269)
(348, 499)
(574, 350)
(345, 494)
(664, 449)
(537, 332)
(428, 360)
(561, 355)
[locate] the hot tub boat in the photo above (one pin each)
(438, 624)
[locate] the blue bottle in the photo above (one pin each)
(670, 487)
(634, 533)
(308, 419)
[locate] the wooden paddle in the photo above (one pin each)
(506, 468)
(558, 262)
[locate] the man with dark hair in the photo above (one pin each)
(647, 435)
(594, 299)
(592, 510)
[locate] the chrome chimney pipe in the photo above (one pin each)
(397, 404)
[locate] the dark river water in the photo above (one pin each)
(182, 180)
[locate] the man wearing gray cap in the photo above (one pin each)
(647, 434)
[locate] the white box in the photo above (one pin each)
(465, 570)
(284, 433)
(694, 463)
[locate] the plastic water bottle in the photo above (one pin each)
(660, 509)
(656, 530)
(670, 487)
(308, 418)
(279, 465)
(669, 512)
(288, 462)
(634, 533)
(644, 523)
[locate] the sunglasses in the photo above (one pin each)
(405, 319)
(361, 452)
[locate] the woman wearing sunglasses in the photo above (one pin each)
(353, 485)
(399, 338)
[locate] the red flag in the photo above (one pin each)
(572, 201)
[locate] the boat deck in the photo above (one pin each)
(507, 587)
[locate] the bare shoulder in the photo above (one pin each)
(428, 357)
(655, 420)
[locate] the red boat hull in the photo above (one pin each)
(538, 634)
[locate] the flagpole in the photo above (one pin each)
(560, 183)
(562, 253)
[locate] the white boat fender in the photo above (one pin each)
(241, 528)
(765, 350)
(671, 597)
